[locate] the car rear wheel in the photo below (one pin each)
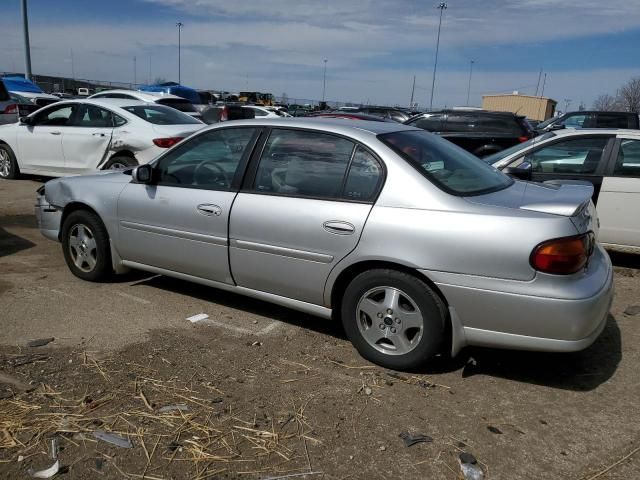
(8, 165)
(393, 319)
(120, 163)
(85, 243)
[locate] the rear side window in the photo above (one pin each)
(161, 115)
(576, 156)
(628, 161)
(365, 175)
(4, 94)
(301, 163)
(613, 121)
(446, 165)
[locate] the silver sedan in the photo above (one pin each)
(417, 246)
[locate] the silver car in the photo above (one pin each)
(416, 245)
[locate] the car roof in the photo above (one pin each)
(473, 112)
(151, 96)
(334, 125)
(106, 102)
(567, 132)
(583, 112)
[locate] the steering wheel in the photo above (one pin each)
(212, 165)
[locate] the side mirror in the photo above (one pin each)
(521, 172)
(26, 121)
(556, 126)
(143, 174)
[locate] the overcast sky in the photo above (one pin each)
(373, 47)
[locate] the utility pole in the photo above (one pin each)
(179, 25)
(149, 79)
(135, 80)
(73, 71)
(442, 6)
(538, 85)
(413, 91)
(543, 85)
(469, 87)
(27, 46)
(324, 81)
(567, 102)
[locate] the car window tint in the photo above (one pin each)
(364, 176)
(432, 123)
(628, 161)
(612, 121)
(161, 115)
(576, 121)
(483, 124)
(118, 121)
(303, 163)
(92, 116)
(576, 156)
(259, 113)
(58, 117)
(208, 161)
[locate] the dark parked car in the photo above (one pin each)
(479, 131)
(393, 113)
(590, 119)
(350, 115)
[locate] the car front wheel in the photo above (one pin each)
(8, 165)
(85, 243)
(393, 319)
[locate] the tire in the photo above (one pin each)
(401, 335)
(119, 163)
(85, 245)
(9, 169)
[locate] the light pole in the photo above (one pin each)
(469, 87)
(324, 80)
(442, 6)
(27, 47)
(179, 25)
(135, 80)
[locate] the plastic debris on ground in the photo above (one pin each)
(113, 439)
(469, 467)
(198, 318)
(174, 408)
(40, 342)
(632, 310)
(47, 472)
(410, 440)
(495, 430)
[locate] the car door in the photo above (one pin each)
(180, 222)
(86, 140)
(582, 158)
(620, 196)
(40, 143)
(296, 216)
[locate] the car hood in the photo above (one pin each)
(564, 200)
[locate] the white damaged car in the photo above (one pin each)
(81, 136)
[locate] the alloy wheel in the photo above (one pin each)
(389, 320)
(5, 164)
(83, 248)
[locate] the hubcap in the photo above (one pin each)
(5, 164)
(83, 248)
(117, 166)
(389, 320)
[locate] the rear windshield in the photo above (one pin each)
(178, 103)
(4, 94)
(449, 167)
(483, 124)
(161, 115)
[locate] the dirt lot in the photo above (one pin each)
(258, 391)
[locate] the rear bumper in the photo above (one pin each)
(530, 315)
(48, 218)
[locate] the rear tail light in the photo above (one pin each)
(11, 108)
(166, 142)
(224, 114)
(563, 256)
(523, 138)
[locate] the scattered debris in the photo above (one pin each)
(198, 318)
(14, 382)
(46, 473)
(368, 391)
(470, 368)
(397, 376)
(174, 408)
(410, 440)
(53, 449)
(256, 344)
(255, 322)
(217, 400)
(99, 463)
(27, 359)
(173, 446)
(112, 438)
(469, 466)
(382, 448)
(632, 310)
(495, 430)
(40, 342)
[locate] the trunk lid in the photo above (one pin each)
(177, 130)
(566, 200)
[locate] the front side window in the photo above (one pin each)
(576, 121)
(55, 117)
(161, 115)
(575, 156)
(301, 163)
(92, 116)
(446, 165)
(628, 161)
(209, 161)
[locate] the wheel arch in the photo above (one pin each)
(74, 207)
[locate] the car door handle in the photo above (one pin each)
(98, 134)
(339, 228)
(55, 133)
(209, 209)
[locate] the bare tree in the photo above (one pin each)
(284, 98)
(629, 95)
(606, 103)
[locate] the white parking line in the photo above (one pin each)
(134, 298)
(269, 328)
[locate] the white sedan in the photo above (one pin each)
(160, 98)
(81, 136)
(266, 112)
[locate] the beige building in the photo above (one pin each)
(535, 108)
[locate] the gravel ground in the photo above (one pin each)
(259, 391)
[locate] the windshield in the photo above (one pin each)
(547, 122)
(160, 115)
(449, 167)
(502, 154)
